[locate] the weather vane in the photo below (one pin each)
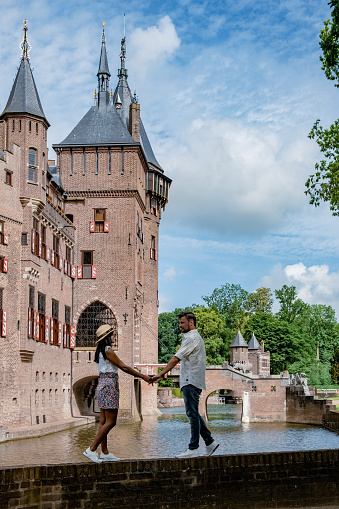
(25, 46)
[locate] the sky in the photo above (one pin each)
(228, 91)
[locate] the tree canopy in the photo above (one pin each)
(323, 184)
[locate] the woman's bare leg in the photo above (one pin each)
(107, 422)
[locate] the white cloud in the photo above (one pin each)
(314, 284)
(152, 45)
(170, 273)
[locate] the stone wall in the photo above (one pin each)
(297, 479)
(306, 409)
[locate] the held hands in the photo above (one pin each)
(154, 379)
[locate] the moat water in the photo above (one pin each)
(168, 435)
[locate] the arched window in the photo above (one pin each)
(91, 318)
(32, 165)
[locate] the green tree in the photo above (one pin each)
(168, 334)
(260, 300)
(290, 306)
(323, 184)
(282, 339)
(229, 301)
(213, 331)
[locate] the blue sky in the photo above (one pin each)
(228, 91)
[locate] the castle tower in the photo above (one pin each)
(239, 350)
(116, 190)
(259, 359)
(35, 290)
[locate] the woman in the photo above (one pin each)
(107, 392)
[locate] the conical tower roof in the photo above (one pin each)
(239, 341)
(253, 343)
(102, 125)
(123, 96)
(24, 97)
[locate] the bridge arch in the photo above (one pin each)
(84, 392)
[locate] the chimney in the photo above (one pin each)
(134, 121)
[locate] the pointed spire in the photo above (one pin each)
(253, 343)
(24, 97)
(122, 71)
(239, 341)
(103, 72)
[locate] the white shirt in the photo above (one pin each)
(105, 365)
(192, 356)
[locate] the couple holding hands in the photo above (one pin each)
(192, 358)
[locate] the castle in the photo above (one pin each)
(78, 248)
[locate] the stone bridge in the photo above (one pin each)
(263, 397)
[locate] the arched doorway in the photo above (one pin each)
(91, 318)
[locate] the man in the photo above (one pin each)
(192, 357)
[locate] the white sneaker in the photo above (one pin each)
(92, 455)
(190, 453)
(211, 448)
(108, 457)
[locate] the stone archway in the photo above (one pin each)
(94, 315)
(84, 392)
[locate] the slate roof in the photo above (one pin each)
(100, 126)
(253, 343)
(123, 94)
(24, 97)
(239, 341)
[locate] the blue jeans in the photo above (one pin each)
(198, 427)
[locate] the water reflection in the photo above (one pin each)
(168, 435)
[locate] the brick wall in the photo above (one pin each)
(291, 479)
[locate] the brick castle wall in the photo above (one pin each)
(284, 479)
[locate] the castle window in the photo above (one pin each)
(109, 161)
(153, 251)
(30, 126)
(96, 162)
(67, 331)
(55, 316)
(32, 166)
(24, 239)
(56, 250)
(2, 227)
(84, 162)
(87, 263)
(154, 207)
(71, 162)
(91, 318)
(99, 219)
(43, 242)
(42, 313)
(20, 125)
(35, 237)
(13, 125)
(8, 177)
(37, 128)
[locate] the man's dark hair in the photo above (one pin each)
(189, 315)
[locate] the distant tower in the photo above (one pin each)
(259, 359)
(116, 192)
(239, 349)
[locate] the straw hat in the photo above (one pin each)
(103, 331)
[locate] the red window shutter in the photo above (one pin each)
(151, 254)
(106, 226)
(65, 266)
(52, 257)
(51, 331)
(48, 253)
(33, 240)
(79, 272)
(73, 271)
(65, 335)
(4, 323)
(29, 322)
(60, 263)
(72, 337)
(59, 333)
(6, 238)
(40, 245)
(34, 324)
(92, 227)
(5, 265)
(37, 328)
(94, 271)
(46, 329)
(155, 254)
